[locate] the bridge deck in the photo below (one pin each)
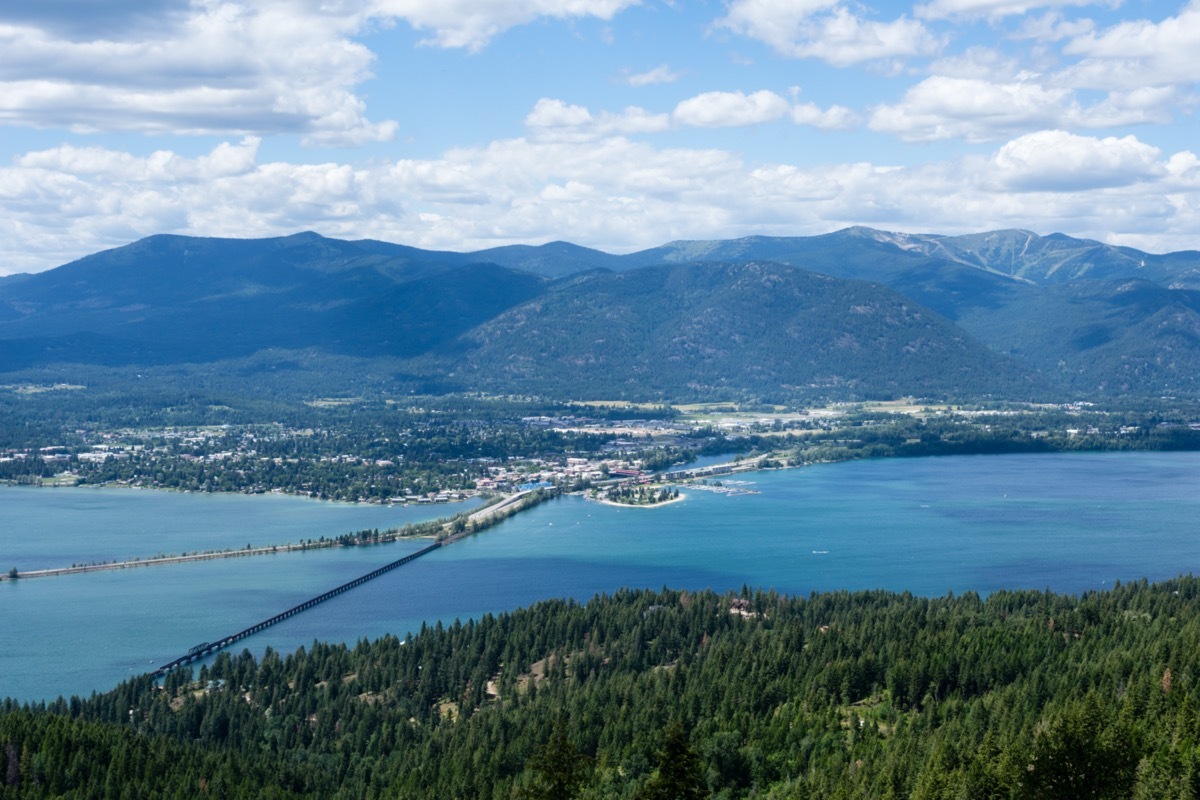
(208, 648)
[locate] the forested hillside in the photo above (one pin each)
(1087, 317)
(670, 694)
(856, 314)
(727, 330)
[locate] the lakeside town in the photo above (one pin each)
(419, 461)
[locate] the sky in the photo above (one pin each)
(615, 124)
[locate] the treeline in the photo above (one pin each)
(975, 432)
(869, 437)
(638, 495)
(109, 400)
(669, 694)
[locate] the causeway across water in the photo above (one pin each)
(475, 522)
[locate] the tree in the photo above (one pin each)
(1079, 754)
(559, 768)
(12, 774)
(678, 776)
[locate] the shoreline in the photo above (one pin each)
(607, 502)
(160, 561)
(479, 519)
(438, 529)
(106, 486)
(476, 521)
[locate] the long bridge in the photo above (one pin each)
(482, 518)
(208, 648)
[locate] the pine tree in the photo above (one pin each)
(559, 768)
(679, 776)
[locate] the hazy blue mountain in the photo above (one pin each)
(177, 299)
(1010, 253)
(716, 329)
(165, 270)
(565, 319)
(553, 260)
(858, 254)
(1063, 306)
(1057, 258)
(1125, 336)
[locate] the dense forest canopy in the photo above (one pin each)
(669, 694)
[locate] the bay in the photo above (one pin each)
(43, 528)
(81, 633)
(928, 526)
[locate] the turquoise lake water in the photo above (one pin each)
(45, 528)
(929, 526)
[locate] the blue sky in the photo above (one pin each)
(617, 124)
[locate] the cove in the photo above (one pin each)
(928, 526)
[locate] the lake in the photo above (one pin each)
(42, 528)
(928, 526)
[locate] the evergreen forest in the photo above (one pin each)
(668, 694)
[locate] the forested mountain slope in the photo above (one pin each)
(1090, 317)
(149, 312)
(671, 694)
(1020, 254)
(712, 330)
(1050, 315)
(1111, 337)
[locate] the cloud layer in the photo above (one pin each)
(827, 30)
(222, 67)
(618, 123)
(613, 193)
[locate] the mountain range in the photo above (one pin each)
(855, 313)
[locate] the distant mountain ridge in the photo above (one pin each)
(713, 329)
(1012, 253)
(1003, 312)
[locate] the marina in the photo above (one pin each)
(727, 488)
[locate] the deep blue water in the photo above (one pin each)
(929, 526)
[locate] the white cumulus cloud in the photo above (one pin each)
(268, 67)
(660, 74)
(981, 110)
(613, 193)
(730, 109)
(1052, 27)
(471, 24)
(939, 9)
(223, 161)
(1139, 53)
(827, 30)
(1061, 161)
(832, 118)
(555, 120)
(974, 109)
(1143, 105)
(221, 67)
(552, 113)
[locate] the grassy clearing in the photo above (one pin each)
(333, 402)
(616, 404)
(37, 388)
